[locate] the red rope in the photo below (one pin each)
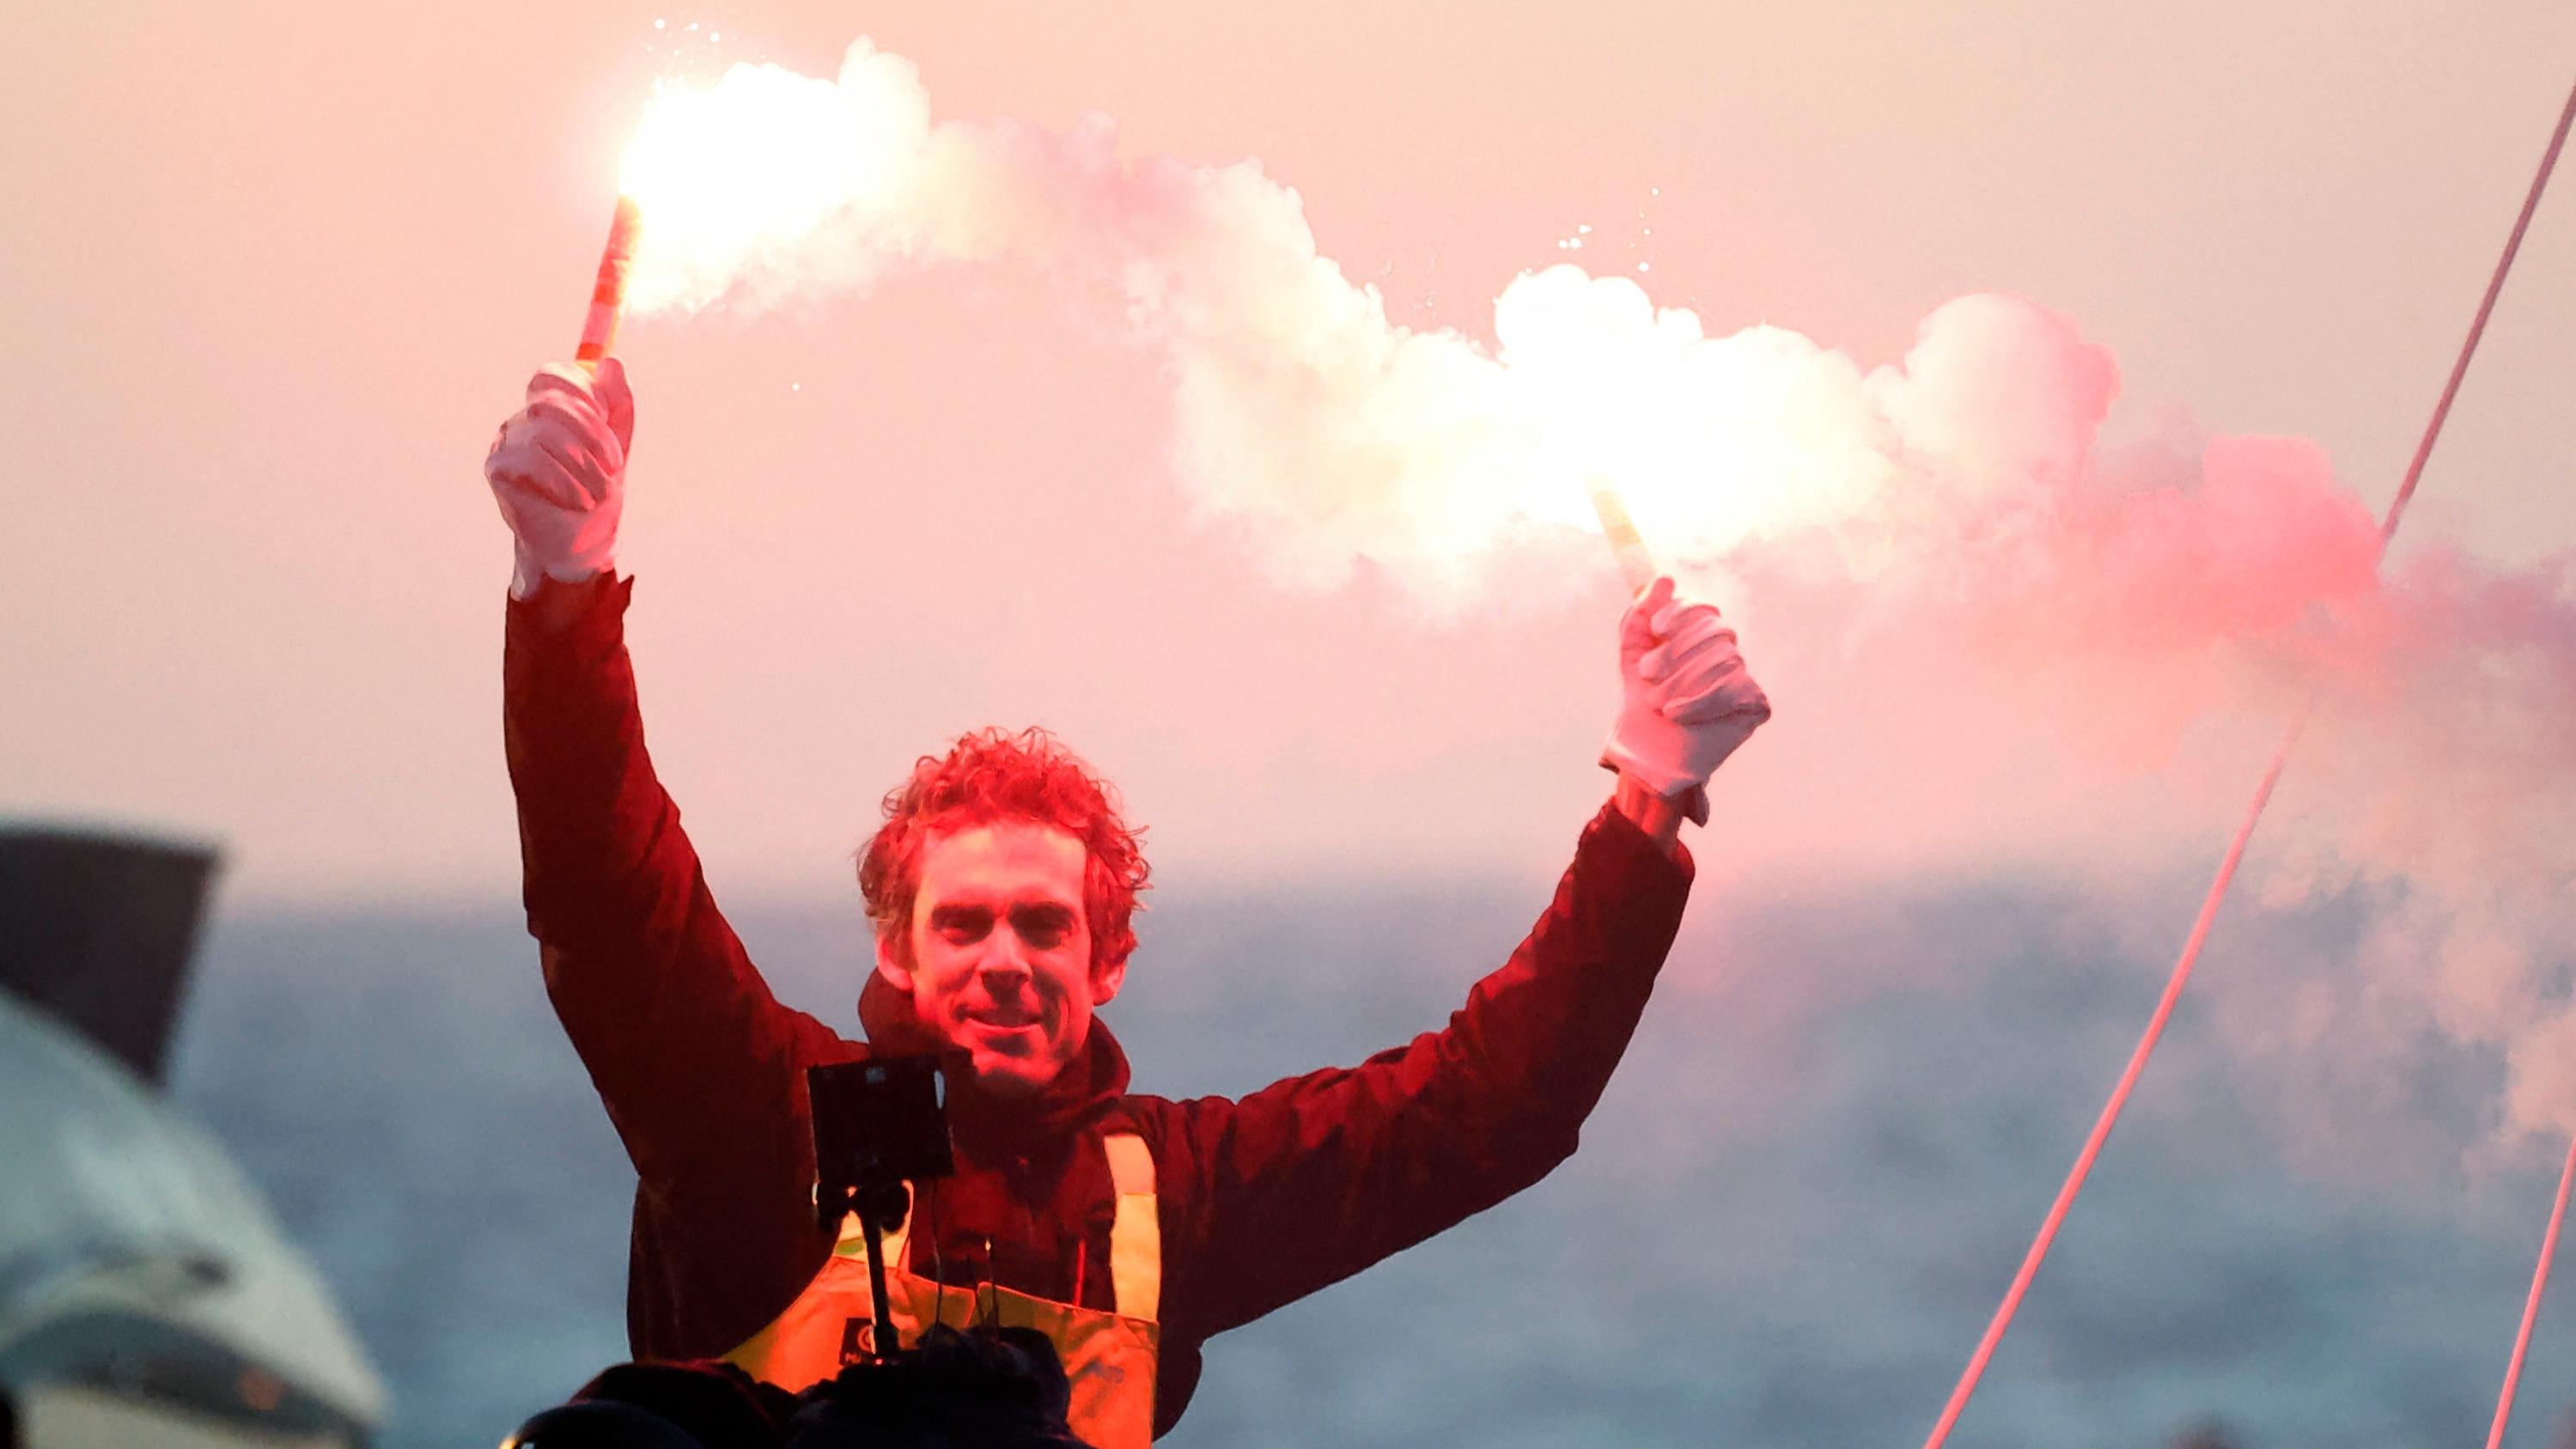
(2119, 1096)
(2102, 1125)
(2531, 1305)
(2478, 327)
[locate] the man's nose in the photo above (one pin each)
(1004, 956)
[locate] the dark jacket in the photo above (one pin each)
(1264, 1199)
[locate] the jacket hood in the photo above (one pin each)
(983, 1121)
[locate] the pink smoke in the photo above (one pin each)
(1995, 640)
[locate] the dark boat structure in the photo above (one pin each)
(148, 1300)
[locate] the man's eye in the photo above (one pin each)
(1044, 930)
(961, 927)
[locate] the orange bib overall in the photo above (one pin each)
(1108, 1356)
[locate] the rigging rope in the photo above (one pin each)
(2236, 850)
(2531, 1305)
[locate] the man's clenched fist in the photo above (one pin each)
(1687, 701)
(558, 469)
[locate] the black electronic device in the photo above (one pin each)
(878, 1124)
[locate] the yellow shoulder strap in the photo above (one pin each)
(1136, 1234)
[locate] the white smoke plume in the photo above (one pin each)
(1995, 634)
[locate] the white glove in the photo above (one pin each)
(558, 469)
(1687, 700)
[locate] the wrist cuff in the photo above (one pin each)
(1691, 795)
(527, 575)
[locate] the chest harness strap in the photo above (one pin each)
(1110, 1356)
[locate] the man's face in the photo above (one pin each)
(1000, 951)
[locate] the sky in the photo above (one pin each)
(279, 270)
(2024, 381)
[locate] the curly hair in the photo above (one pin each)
(991, 775)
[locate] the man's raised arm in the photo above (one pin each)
(1316, 1177)
(680, 1034)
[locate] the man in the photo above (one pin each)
(1128, 1228)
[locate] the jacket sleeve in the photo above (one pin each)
(1314, 1178)
(681, 1036)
